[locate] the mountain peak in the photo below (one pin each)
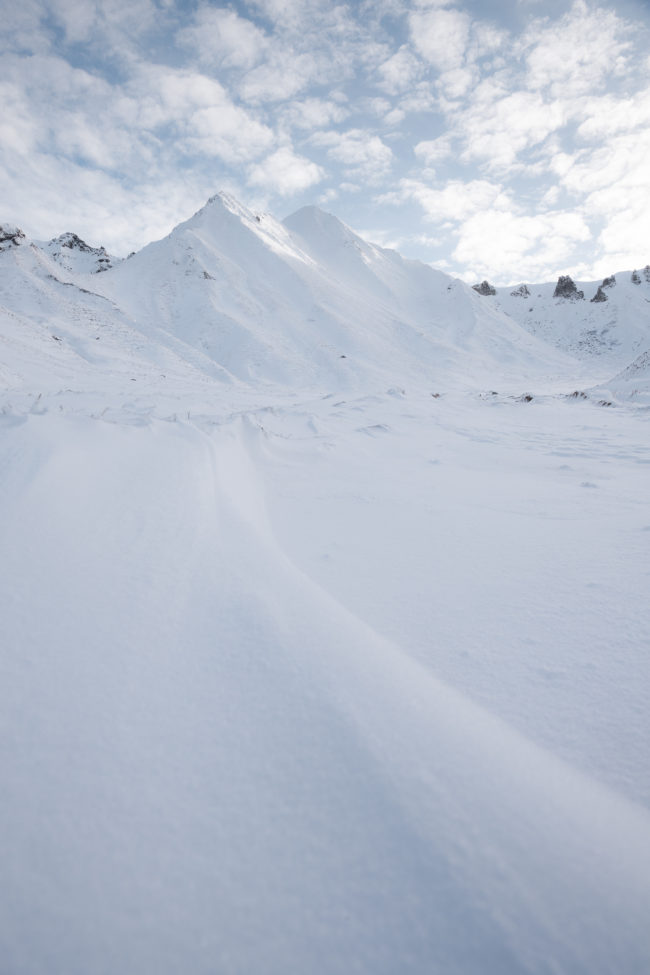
(221, 202)
(221, 205)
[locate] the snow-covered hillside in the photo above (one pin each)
(324, 613)
(608, 319)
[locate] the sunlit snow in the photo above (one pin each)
(324, 605)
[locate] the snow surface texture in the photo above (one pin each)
(314, 664)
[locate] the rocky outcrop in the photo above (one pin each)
(73, 243)
(634, 278)
(609, 282)
(484, 288)
(646, 273)
(565, 288)
(10, 236)
(521, 292)
(600, 294)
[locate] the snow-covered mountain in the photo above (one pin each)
(308, 303)
(305, 303)
(323, 611)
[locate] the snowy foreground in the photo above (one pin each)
(352, 678)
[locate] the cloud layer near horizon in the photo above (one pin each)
(511, 144)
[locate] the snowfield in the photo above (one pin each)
(325, 614)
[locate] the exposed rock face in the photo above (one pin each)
(600, 294)
(646, 273)
(565, 288)
(635, 279)
(74, 243)
(521, 292)
(484, 288)
(609, 282)
(10, 236)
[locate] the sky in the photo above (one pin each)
(507, 141)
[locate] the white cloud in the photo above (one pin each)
(394, 117)
(284, 76)
(284, 172)
(615, 171)
(314, 113)
(399, 72)
(551, 80)
(433, 150)
(205, 117)
(420, 99)
(607, 115)
(221, 38)
(285, 12)
(456, 200)
(456, 82)
(507, 247)
(228, 132)
(574, 56)
(109, 25)
(499, 131)
(175, 96)
(22, 28)
(105, 209)
(361, 152)
(441, 36)
(19, 130)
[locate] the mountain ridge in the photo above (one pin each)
(307, 302)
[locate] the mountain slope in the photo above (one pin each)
(615, 326)
(303, 668)
(284, 303)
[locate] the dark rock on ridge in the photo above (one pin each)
(600, 294)
(484, 288)
(521, 292)
(10, 235)
(565, 288)
(75, 243)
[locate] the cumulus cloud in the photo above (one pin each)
(202, 114)
(399, 72)
(431, 151)
(497, 130)
(313, 113)
(520, 246)
(457, 200)
(285, 172)
(575, 55)
(220, 38)
(440, 35)
(361, 153)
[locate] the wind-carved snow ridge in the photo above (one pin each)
(324, 611)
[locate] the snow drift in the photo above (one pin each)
(303, 667)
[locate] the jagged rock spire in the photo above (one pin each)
(565, 288)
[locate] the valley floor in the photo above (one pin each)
(332, 684)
